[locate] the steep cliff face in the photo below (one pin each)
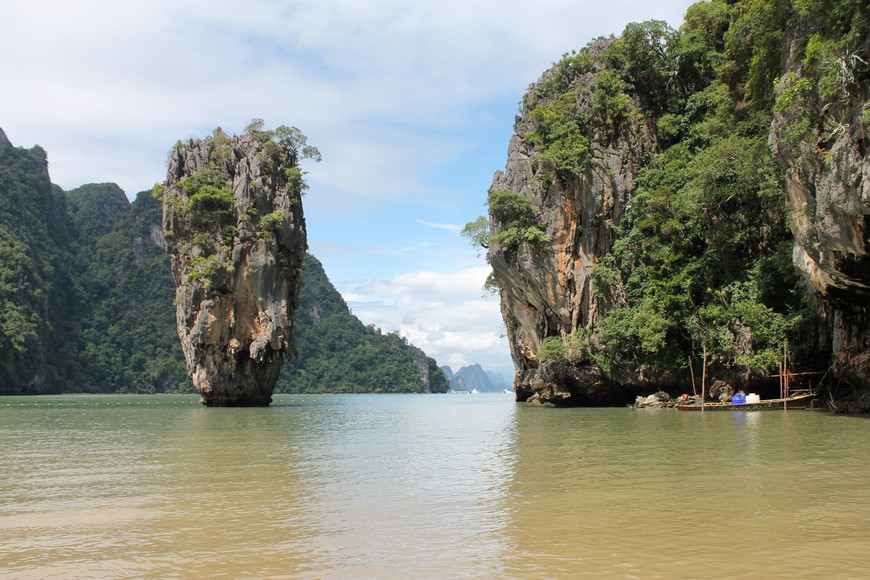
(38, 295)
(235, 232)
(84, 286)
(642, 232)
(127, 322)
(547, 288)
(823, 143)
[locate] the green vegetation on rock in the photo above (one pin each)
(518, 223)
(86, 292)
(127, 321)
(702, 261)
(37, 282)
(87, 296)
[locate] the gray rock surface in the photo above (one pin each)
(237, 276)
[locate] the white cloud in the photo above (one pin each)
(373, 83)
(449, 227)
(446, 314)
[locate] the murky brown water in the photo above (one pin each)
(426, 486)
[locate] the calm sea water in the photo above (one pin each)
(426, 486)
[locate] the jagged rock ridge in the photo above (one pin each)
(471, 377)
(236, 236)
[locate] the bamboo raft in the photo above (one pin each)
(798, 400)
(793, 402)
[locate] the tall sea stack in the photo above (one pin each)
(235, 232)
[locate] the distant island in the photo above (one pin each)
(473, 377)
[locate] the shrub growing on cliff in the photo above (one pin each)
(295, 180)
(517, 220)
(517, 223)
(284, 145)
(209, 201)
(220, 150)
(270, 224)
(552, 350)
(564, 149)
(477, 232)
(202, 268)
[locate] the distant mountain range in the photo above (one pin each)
(475, 377)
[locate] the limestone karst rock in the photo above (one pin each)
(547, 291)
(235, 232)
(432, 378)
(641, 221)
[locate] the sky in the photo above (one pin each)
(410, 102)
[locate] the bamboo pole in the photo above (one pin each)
(692, 372)
(785, 378)
(780, 375)
(704, 380)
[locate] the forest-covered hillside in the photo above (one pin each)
(37, 278)
(86, 297)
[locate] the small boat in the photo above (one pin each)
(793, 402)
(788, 399)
